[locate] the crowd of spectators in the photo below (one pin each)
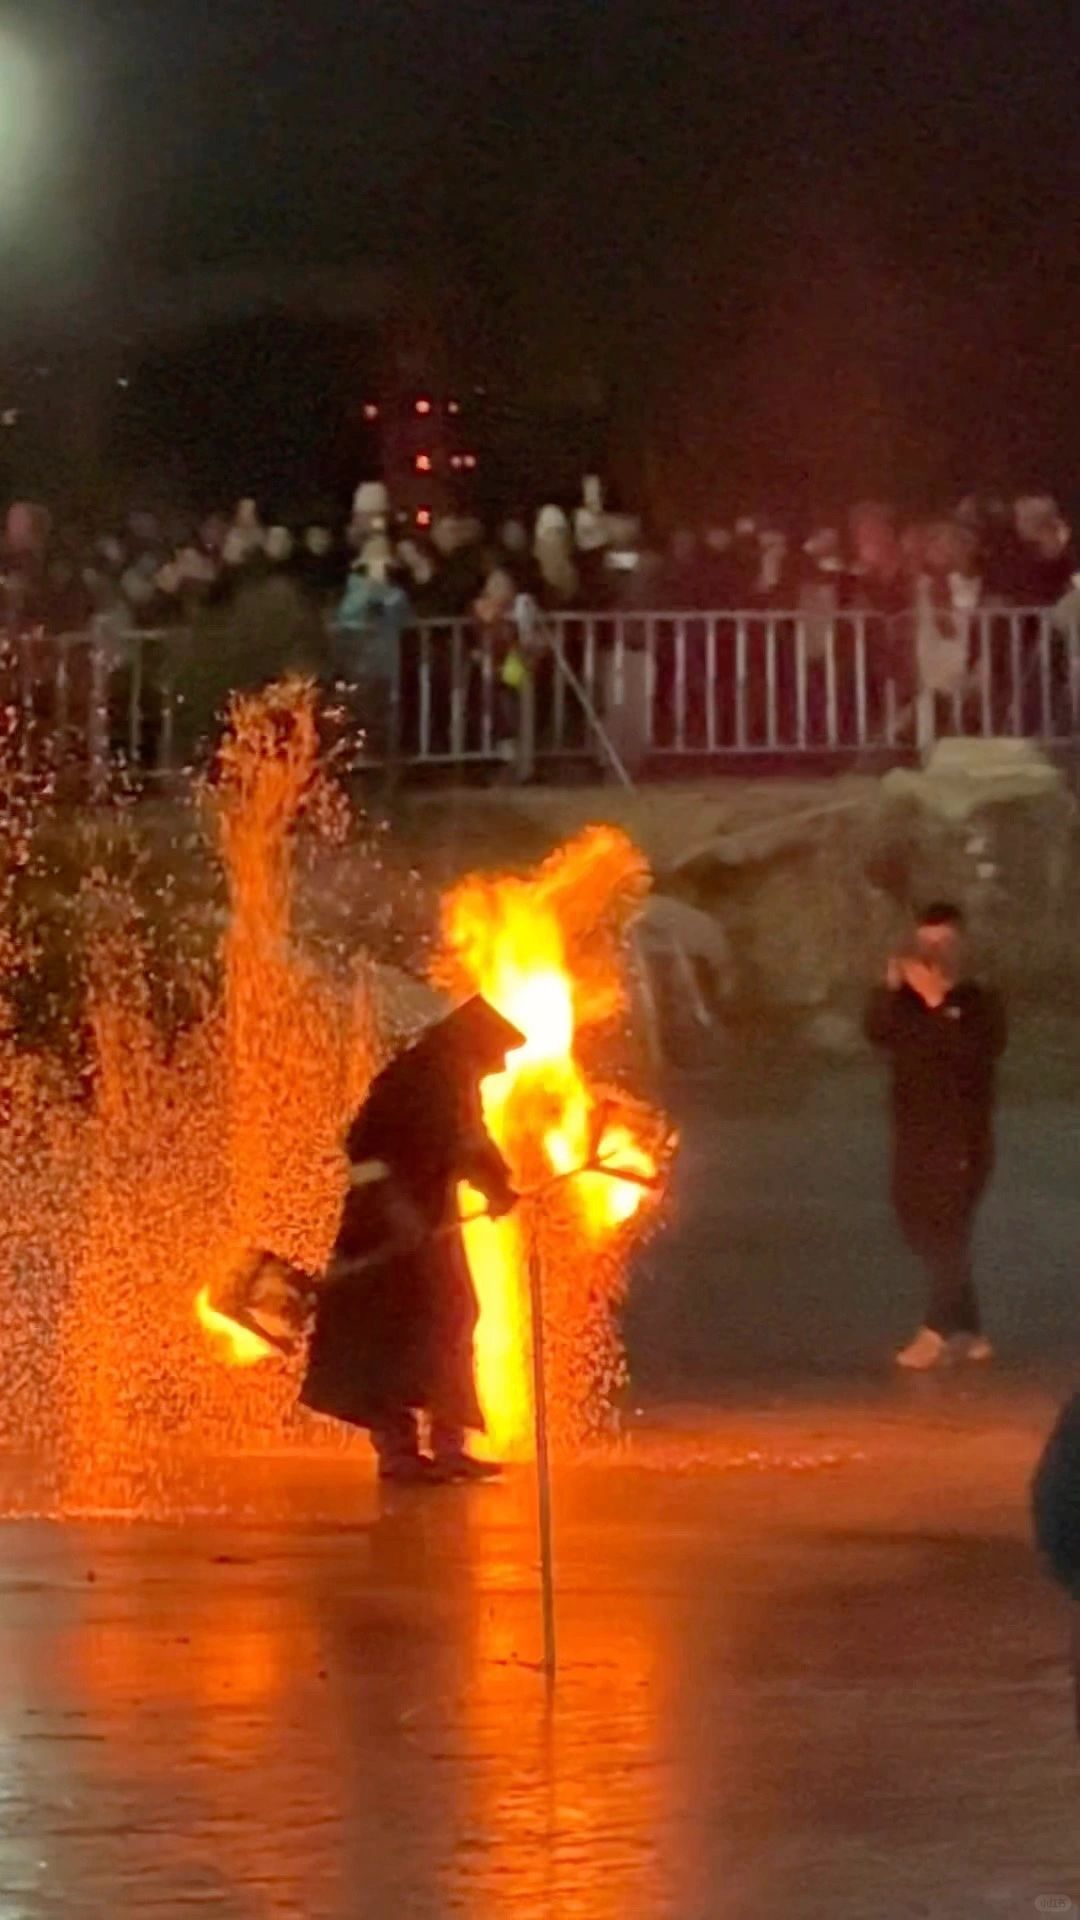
(159, 572)
(237, 600)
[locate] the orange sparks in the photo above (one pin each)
(547, 952)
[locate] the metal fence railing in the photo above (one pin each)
(723, 687)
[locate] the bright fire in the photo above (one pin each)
(236, 1345)
(547, 951)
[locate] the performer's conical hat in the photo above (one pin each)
(480, 1029)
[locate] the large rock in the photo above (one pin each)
(963, 776)
(991, 824)
(790, 891)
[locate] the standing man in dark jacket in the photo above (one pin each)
(393, 1338)
(945, 1034)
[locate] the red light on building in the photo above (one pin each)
(423, 516)
(454, 407)
(371, 411)
(423, 407)
(469, 461)
(456, 462)
(424, 463)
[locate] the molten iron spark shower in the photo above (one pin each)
(137, 1179)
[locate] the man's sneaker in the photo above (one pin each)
(972, 1346)
(927, 1350)
(462, 1467)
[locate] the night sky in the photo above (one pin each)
(810, 248)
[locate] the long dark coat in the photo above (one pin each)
(400, 1334)
(944, 1084)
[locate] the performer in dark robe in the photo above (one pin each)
(394, 1338)
(945, 1034)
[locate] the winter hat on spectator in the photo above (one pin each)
(371, 498)
(279, 545)
(247, 529)
(551, 524)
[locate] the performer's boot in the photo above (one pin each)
(451, 1462)
(398, 1449)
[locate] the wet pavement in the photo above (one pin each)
(807, 1667)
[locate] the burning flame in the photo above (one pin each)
(238, 1346)
(546, 951)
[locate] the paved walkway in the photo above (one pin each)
(808, 1668)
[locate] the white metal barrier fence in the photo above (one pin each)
(694, 687)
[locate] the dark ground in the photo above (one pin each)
(809, 1666)
(781, 1251)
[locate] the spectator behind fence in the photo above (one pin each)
(683, 583)
(319, 563)
(234, 598)
(371, 620)
(554, 555)
(420, 578)
(507, 632)
(1043, 558)
(881, 580)
(461, 565)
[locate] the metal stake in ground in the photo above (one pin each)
(543, 1457)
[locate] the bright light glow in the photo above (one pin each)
(23, 119)
(423, 463)
(423, 407)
